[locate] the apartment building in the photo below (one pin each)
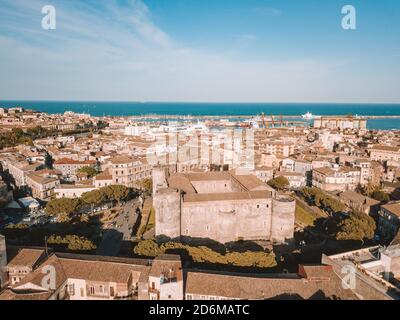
(365, 167)
(376, 271)
(69, 167)
(18, 171)
(336, 179)
(23, 264)
(103, 179)
(263, 173)
(72, 191)
(340, 123)
(277, 148)
(385, 153)
(389, 220)
(85, 277)
(165, 278)
(127, 170)
(42, 186)
(359, 202)
(296, 180)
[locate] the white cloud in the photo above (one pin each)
(116, 52)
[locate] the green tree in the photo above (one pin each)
(147, 248)
(94, 197)
(73, 242)
(108, 193)
(358, 226)
(317, 197)
(90, 171)
(119, 192)
(279, 183)
(369, 189)
(63, 208)
(146, 185)
(202, 254)
(380, 195)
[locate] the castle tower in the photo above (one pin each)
(159, 179)
(167, 206)
(3, 260)
(283, 218)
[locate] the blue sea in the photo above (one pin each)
(224, 109)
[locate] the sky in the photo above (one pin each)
(200, 51)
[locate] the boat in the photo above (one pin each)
(308, 116)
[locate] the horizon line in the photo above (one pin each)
(194, 102)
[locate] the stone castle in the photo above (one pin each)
(222, 206)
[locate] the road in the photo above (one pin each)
(120, 231)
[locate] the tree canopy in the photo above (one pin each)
(63, 208)
(73, 242)
(17, 136)
(318, 198)
(146, 185)
(358, 226)
(90, 171)
(279, 183)
(380, 195)
(202, 254)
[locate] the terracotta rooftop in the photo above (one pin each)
(393, 208)
(378, 147)
(26, 258)
(358, 198)
(41, 179)
(9, 294)
(72, 161)
(320, 284)
(122, 160)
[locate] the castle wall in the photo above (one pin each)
(216, 186)
(226, 221)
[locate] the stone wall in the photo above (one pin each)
(283, 218)
(167, 205)
(226, 221)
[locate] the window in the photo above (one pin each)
(189, 297)
(82, 293)
(91, 290)
(71, 289)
